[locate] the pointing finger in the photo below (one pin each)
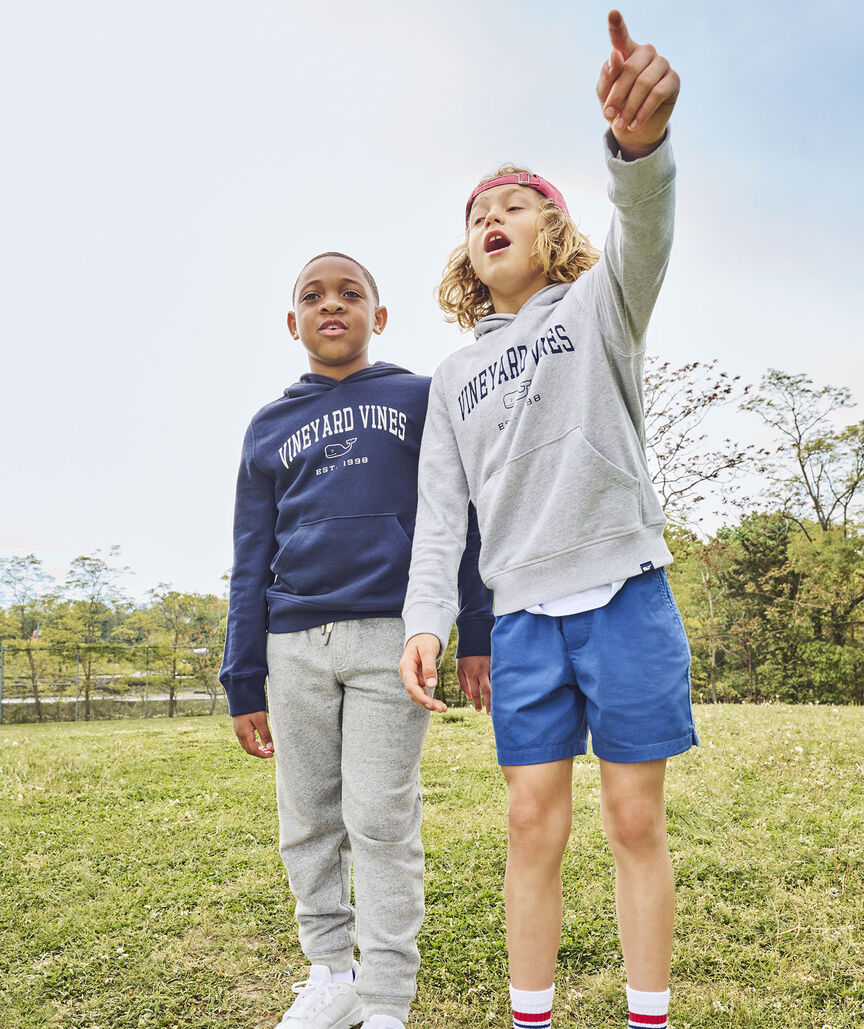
(619, 36)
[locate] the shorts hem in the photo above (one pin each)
(654, 752)
(541, 755)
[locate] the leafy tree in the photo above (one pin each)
(696, 577)
(831, 566)
(94, 603)
(818, 474)
(817, 478)
(207, 641)
(8, 627)
(766, 623)
(193, 623)
(447, 679)
(27, 585)
(173, 614)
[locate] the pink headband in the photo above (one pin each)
(520, 179)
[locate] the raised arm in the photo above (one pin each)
(637, 91)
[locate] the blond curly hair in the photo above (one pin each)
(561, 251)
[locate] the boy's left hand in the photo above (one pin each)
(637, 91)
(473, 674)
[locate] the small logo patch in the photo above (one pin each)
(647, 566)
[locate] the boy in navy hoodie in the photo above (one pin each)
(324, 517)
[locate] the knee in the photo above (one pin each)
(633, 828)
(538, 825)
(383, 819)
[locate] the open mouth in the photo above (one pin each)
(332, 327)
(495, 241)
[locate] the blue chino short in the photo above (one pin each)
(621, 671)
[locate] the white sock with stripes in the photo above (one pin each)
(647, 1010)
(532, 1009)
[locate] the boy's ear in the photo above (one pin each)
(292, 324)
(380, 320)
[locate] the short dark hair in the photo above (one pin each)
(335, 253)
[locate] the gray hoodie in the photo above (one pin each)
(540, 423)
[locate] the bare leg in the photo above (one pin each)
(634, 817)
(541, 810)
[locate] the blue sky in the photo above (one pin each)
(170, 166)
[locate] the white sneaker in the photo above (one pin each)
(383, 1022)
(323, 1004)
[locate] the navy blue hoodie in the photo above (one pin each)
(324, 519)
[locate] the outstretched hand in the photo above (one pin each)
(637, 91)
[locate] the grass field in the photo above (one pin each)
(140, 885)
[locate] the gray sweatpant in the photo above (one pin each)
(348, 741)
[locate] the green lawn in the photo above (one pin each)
(140, 883)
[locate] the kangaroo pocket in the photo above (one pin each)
(354, 562)
(554, 498)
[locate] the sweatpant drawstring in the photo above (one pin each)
(326, 630)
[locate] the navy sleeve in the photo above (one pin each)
(475, 618)
(244, 663)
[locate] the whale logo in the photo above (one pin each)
(512, 399)
(339, 449)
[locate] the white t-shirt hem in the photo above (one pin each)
(576, 603)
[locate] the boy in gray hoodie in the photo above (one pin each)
(540, 423)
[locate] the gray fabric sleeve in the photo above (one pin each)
(623, 286)
(431, 603)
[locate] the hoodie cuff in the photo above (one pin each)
(246, 695)
(426, 617)
(475, 637)
(632, 182)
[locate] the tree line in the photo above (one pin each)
(771, 599)
(87, 632)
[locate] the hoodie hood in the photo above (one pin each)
(546, 297)
(310, 384)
